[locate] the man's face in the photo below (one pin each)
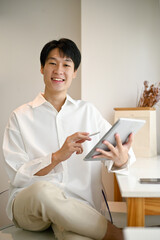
(58, 72)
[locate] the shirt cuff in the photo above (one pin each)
(121, 170)
(27, 170)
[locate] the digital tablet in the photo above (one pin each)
(123, 126)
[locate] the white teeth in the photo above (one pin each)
(57, 79)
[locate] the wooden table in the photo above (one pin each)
(142, 199)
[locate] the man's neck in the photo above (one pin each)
(57, 100)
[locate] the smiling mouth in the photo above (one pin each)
(57, 79)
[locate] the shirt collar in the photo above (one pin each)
(39, 100)
(71, 100)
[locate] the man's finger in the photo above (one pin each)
(118, 141)
(78, 149)
(79, 137)
(129, 141)
(103, 154)
(110, 146)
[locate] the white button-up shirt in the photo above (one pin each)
(36, 130)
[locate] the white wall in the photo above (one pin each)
(120, 49)
(25, 26)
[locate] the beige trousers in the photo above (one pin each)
(43, 204)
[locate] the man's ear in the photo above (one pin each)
(75, 74)
(42, 70)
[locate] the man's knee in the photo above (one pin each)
(40, 189)
(37, 190)
(40, 186)
(38, 196)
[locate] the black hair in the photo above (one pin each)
(66, 47)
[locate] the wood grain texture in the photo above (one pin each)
(136, 212)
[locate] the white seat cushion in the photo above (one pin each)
(12, 233)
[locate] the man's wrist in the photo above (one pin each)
(121, 165)
(55, 159)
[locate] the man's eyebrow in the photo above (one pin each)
(52, 58)
(66, 59)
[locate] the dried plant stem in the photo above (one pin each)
(150, 95)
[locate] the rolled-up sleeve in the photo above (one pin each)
(124, 169)
(19, 167)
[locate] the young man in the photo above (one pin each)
(45, 143)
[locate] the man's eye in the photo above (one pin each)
(52, 63)
(66, 65)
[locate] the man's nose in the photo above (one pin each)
(59, 69)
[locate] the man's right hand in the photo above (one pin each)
(72, 144)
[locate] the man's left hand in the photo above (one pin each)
(118, 154)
